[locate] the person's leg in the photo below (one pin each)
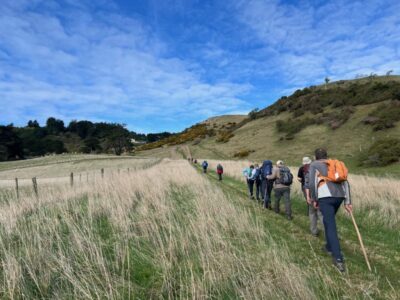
(258, 188)
(288, 206)
(328, 207)
(251, 188)
(270, 187)
(313, 214)
(278, 195)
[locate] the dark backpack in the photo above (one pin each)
(266, 168)
(285, 177)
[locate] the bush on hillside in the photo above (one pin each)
(224, 136)
(384, 116)
(381, 153)
(242, 153)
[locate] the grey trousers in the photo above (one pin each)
(285, 193)
(314, 215)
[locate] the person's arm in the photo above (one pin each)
(300, 174)
(273, 175)
(347, 201)
(311, 184)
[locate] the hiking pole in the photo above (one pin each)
(361, 242)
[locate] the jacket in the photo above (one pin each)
(275, 175)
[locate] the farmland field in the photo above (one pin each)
(164, 230)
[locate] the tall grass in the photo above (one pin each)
(161, 232)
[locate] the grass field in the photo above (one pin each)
(164, 230)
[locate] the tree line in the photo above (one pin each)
(82, 136)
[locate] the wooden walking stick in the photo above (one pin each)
(361, 242)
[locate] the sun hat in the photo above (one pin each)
(306, 160)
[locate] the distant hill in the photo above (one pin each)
(356, 120)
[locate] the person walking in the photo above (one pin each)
(247, 173)
(266, 184)
(313, 213)
(328, 189)
(258, 181)
(205, 166)
(220, 171)
(283, 179)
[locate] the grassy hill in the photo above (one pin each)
(346, 117)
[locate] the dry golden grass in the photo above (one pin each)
(160, 232)
(206, 231)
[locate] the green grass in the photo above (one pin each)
(382, 244)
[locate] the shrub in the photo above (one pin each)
(384, 116)
(242, 153)
(224, 136)
(381, 153)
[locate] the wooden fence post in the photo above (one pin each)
(16, 187)
(35, 187)
(102, 173)
(128, 170)
(71, 180)
(80, 177)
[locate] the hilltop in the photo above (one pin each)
(357, 120)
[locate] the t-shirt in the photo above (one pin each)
(303, 170)
(300, 175)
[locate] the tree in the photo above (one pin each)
(327, 81)
(33, 124)
(388, 73)
(81, 128)
(253, 114)
(119, 140)
(10, 144)
(55, 126)
(92, 145)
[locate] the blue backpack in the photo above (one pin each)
(266, 168)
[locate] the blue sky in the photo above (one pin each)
(167, 64)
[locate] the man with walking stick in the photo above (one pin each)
(328, 188)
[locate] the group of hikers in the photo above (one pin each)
(324, 185)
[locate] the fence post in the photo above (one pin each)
(71, 180)
(87, 177)
(102, 173)
(35, 187)
(16, 187)
(80, 177)
(128, 170)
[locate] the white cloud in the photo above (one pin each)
(337, 38)
(79, 64)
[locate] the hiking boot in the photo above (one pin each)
(339, 264)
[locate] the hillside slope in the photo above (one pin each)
(347, 118)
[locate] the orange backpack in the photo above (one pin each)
(337, 171)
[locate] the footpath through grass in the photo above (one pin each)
(382, 245)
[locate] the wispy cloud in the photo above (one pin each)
(163, 66)
(77, 62)
(339, 39)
